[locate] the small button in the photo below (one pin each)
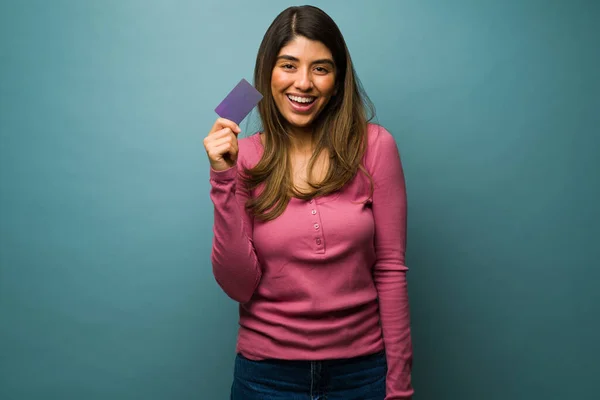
(318, 241)
(316, 226)
(314, 212)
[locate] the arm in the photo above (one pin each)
(235, 264)
(389, 210)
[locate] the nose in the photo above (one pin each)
(303, 81)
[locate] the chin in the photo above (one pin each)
(300, 123)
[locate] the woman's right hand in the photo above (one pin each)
(221, 144)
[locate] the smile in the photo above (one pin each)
(302, 104)
(301, 99)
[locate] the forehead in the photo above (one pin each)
(305, 49)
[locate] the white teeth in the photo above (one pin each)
(301, 99)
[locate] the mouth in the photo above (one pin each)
(301, 103)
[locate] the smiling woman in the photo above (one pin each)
(310, 227)
(310, 149)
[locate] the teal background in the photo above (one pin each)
(106, 290)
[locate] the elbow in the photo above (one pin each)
(235, 292)
(242, 299)
(236, 286)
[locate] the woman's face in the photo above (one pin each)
(303, 81)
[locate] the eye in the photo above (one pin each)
(321, 70)
(287, 66)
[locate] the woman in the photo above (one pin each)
(309, 228)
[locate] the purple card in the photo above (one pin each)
(239, 102)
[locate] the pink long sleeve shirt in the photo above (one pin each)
(327, 278)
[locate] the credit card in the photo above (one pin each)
(239, 102)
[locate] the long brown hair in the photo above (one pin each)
(340, 129)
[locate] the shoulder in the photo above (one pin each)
(378, 132)
(380, 142)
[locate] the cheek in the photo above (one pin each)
(327, 86)
(277, 82)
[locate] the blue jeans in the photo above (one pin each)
(361, 378)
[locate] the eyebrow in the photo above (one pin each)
(321, 61)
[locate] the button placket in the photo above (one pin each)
(316, 226)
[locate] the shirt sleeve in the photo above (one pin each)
(389, 210)
(234, 261)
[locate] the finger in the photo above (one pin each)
(221, 123)
(230, 139)
(220, 137)
(222, 150)
(221, 133)
(214, 144)
(217, 138)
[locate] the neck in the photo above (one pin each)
(302, 139)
